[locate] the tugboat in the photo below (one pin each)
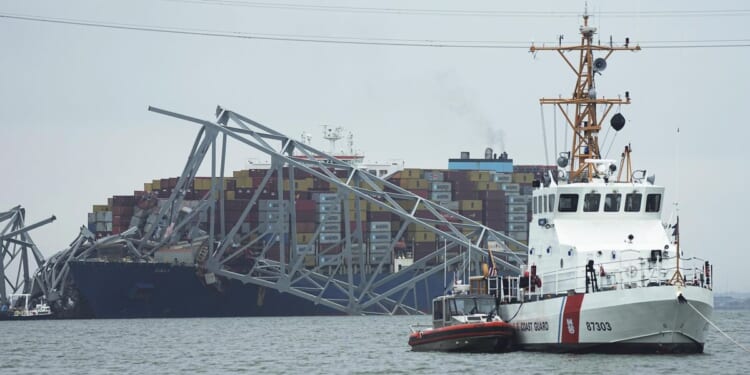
(604, 273)
(464, 321)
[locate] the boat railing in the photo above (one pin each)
(608, 275)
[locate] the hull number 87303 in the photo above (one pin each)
(598, 326)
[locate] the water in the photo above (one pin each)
(314, 345)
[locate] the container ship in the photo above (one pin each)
(306, 234)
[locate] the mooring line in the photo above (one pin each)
(718, 329)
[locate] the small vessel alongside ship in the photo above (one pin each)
(465, 320)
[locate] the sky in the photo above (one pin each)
(75, 128)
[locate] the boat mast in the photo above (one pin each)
(585, 122)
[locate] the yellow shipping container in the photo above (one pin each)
(148, 187)
(309, 260)
(156, 184)
(100, 208)
(473, 205)
(415, 184)
(229, 195)
(523, 178)
(411, 173)
(304, 238)
(244, 182)
(487, 186)
(242, 173)
(479, 176)
(372, 207)
(421, 237)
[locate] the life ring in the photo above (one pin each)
(633, 270)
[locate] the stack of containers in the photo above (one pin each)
(379, 239)
(493, 198)
(273, 217)
(100, 220)
(122, 212)
(305, 220)
(328, 213)
(517, 209)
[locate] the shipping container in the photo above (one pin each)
(470, 205)
(329, 238)
(510, 188)
(328, 207)
(380, 226)
(434, 176)
(441, 196)
(441, 186)
(519, 236)
(329, 218)
(479, 176)
(518, 227)
(380, 237)
(502, 177)
(330, 227)
(517, 218)
(380, 247)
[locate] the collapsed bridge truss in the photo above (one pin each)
(343, 278)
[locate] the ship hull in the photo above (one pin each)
(160, 290)
(489, 337)
(640, 320)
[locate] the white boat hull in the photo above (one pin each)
(639, 320)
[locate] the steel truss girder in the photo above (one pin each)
(360, 287)
(15, 246)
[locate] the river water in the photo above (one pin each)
(315, 345)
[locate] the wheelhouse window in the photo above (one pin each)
(612, 202)
(568, 203)
(551, 202)
(633, 202)
(437, 310)
(653, 202)
(591, 202)
(544, 206)
(536, 206)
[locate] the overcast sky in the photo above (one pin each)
(75, 129)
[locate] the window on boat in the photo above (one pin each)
(612, 202)
(456, 307)
(551, 202)
(633, 202)
(483, 305)
(591, 202)
(544, 206)
(568, 203)
(653, 202)
(437, 310)
(536, 206)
